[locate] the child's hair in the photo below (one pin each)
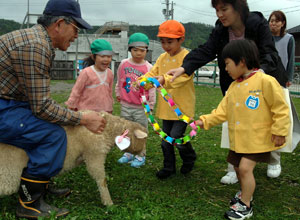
(242, 50)
(89, 61)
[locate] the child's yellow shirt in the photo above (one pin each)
(255, 109)
(181, 90)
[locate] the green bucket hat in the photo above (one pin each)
(101, 47)
(138, 40)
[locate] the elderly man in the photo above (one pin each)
(29, 118)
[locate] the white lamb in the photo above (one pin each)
(83, 146)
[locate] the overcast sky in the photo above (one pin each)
(148, 12)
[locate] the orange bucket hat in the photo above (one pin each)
(171, 29)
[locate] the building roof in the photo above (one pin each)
(294, 30)
(113, 27)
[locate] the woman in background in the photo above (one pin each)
(285, 45)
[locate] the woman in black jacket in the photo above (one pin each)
(244, 24)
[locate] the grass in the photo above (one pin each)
(138, 194)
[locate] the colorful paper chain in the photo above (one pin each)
(143, 83)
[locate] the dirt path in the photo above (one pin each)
(61, 87)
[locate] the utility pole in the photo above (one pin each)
(169, 14)
(172, 10)
(28, 16)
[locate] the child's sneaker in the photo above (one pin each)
(126, 158)
(237, 196)
(138, 161)
(229, 178)
(274, 170)
(239, 211)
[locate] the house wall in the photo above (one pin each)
(119, 44)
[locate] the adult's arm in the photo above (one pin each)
(203, 54)
(291, 59)
(33, 67)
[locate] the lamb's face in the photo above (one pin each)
(138, 140)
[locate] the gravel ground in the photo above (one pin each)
(61, 87)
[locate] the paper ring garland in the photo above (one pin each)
(143, 82)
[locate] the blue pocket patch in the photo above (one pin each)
(252, 102)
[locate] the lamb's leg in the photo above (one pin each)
(95, 166)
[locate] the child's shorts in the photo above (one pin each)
(235, 158)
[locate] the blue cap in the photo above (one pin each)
(69, 8)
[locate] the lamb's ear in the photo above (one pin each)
(140, 134)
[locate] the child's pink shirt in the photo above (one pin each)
(128, 72)
(92, 91)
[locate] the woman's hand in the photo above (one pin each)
(175, 73)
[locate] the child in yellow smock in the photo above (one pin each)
(171, 34)
(258, 119)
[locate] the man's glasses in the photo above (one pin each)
(77, 28)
